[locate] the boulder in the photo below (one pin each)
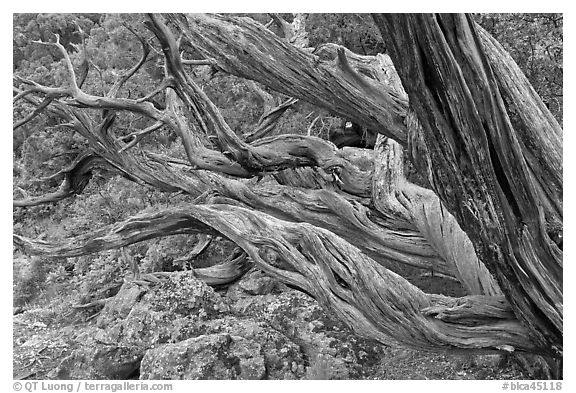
(96, 357)
(323, 343)
(283, 358)
(137, 319)
(213, 356)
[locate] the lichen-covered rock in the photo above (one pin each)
(300, 318)
(137, 319)
(170, 311)
(284, 358)
(120, 305)
(180, 294)
(214, 356)
(97, 357)
(180, 328)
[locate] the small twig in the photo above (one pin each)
(139, 135)
(438, 275)
(37, 357)
(101, 77)
(313, 124)
(23, 192)
(123, 77)
(165, 84)
(85, 65)
(93, 316)
(34, 113)
(210, 62)
(99, 302)
(28, 365)
(20, 95)
(73, 87)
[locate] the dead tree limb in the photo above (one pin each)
(285, 68)
(373, 301)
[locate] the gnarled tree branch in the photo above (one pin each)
(373, 301)
(257, 54)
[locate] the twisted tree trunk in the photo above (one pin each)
(339, 219)
(500, 175)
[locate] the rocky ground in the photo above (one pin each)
(173, 326)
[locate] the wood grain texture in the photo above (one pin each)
(478, 160)
(375, 302)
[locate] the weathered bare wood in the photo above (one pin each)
(393, 194)
(38, 110)
(268, 121)
(376, 235)
(306, 177)
(457, 122)
(295, 32)
(256, 53)
(203, 243)
(478, 163)
(373, 301)
(209, 32)
(237, 158)
(372, 235)
(378, 239)
(230, 270)
(539, 132)
(373, 232)
(268, 154)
